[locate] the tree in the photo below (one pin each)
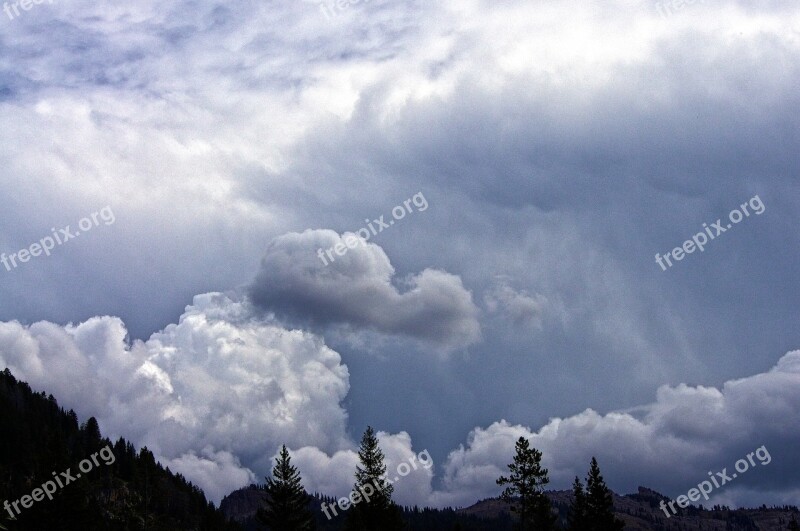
(526, 490)
(793, 525)
(91, 436)
(599, 503)
(374, 508)
(577, 520)
(287, 500)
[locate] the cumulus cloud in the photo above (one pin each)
(334, 475)
(357, 289)
(669, 445)
(331, 474)
(218, 380)
(215, 394)
(219, 473)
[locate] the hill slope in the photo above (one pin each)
(43, 447)
(639, 512)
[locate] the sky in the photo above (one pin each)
(231, 226)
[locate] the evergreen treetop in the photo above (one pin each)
(372, 469)
(287, 501)
(599, 502)
(576, 520)
(375, 510)
(525, 491)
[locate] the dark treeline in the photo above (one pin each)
(415, 518)
(134, 492)
(285, 505)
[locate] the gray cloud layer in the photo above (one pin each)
(562, 146)
(357, 289)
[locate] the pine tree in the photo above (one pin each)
(287, 500)
(577, 520)
(599, 503)
(92, 440)
(377, 512)
(527, 482)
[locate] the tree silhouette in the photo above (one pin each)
(577, 520)
(525, 492)
(41, 441)
(91, 436)
(372, 492)
(287, 501)
(599, 503)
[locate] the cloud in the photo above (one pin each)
(518, 307)
(219, 473)
(356, 290)
(218, 380)
(564, 152)
(332, 475)
(669, 445)
(227, 382)
(335, 475)
(402, 457)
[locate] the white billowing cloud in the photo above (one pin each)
(89, 366)
(411, 474)
(417, 465)
(470, 473)
(219, 472)
(332, 475)
(250, 378)
(356, 289)
(218, 380)
(215, 395)
(671, 446)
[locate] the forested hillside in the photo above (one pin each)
(42, 443)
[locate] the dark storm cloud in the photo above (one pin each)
(357, 290)
(561, 152)
(571, 189)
